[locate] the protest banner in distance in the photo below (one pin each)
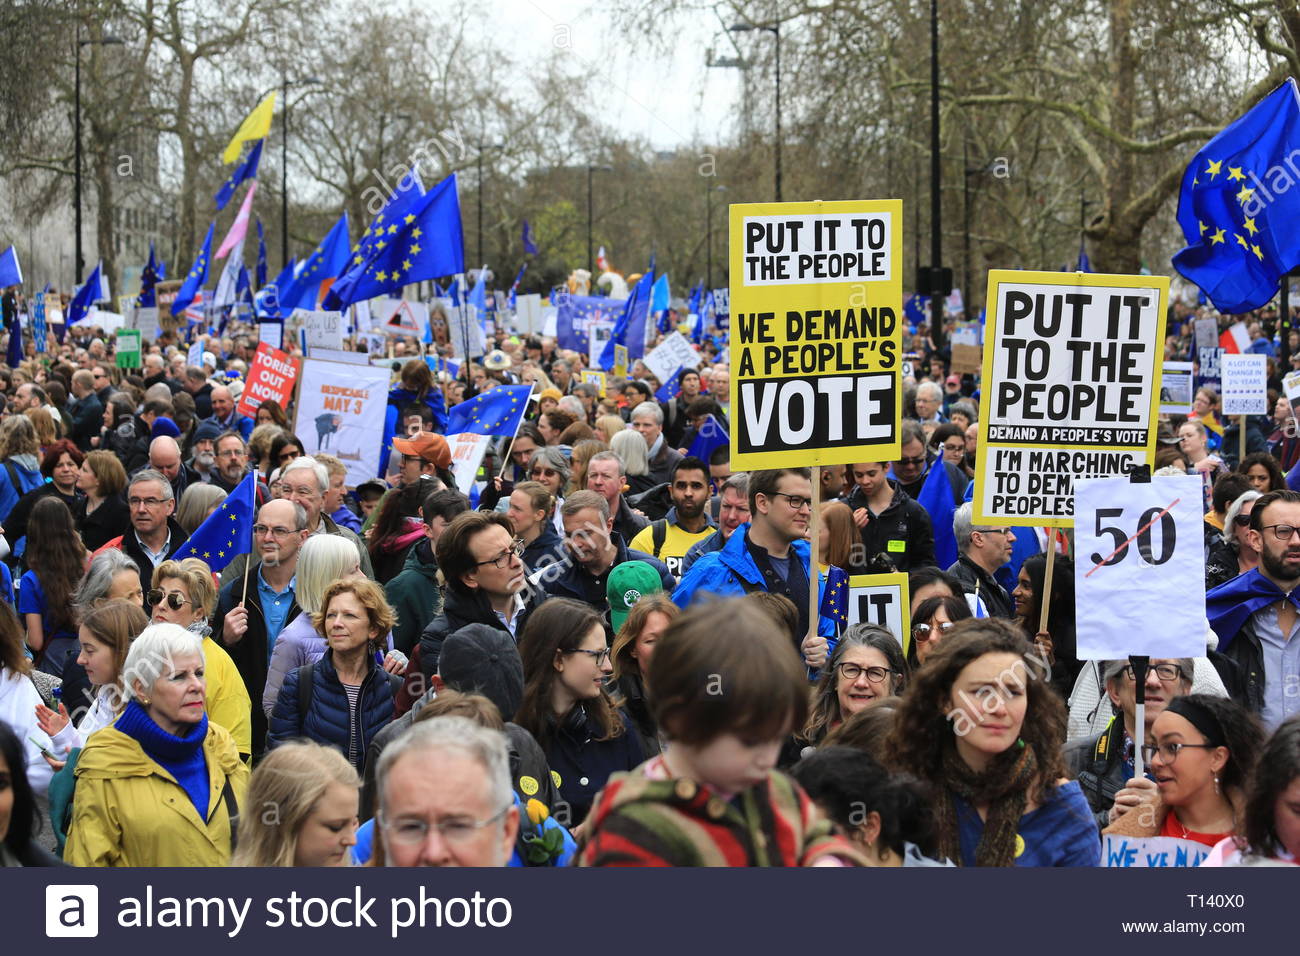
(1070, 390)
(467, 450)
(882, 599)
(672, 353)
(816, 339)
(1139, 546)
(1176, 388)
(1245, 384)
(270, 332)
(270, 378)
(528, 314)
(1135, 852)
(341, 411)
(1292, 386)
(595, 378)
(323, 329)
(128, 350)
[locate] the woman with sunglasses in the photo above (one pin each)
(931, 621)
(183, 593)
(566, 708)
(1231, 553)
(284, 449)
(1204, 752)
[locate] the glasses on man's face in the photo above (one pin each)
(1169, 751)
(412, 831)
(924, 632)
(173, 598)
(1166, 672)
(797, 502)
(916, 462)
(851, 672)
(504, 559)
(599, 656)
(229, 453)
(1002, 531)
(149, 503)
(1283, 532)
(266, 531)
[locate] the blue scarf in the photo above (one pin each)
(1230, 605)
(182, 757)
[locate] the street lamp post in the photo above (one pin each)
(937, 329)
(775, 30)
(285, 83)
(481, 147)
(708, 241)
(76, 133)
(591, 256)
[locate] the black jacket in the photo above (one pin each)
(251, 654)
(203, 402)
(627, 522)
(547, 548)
(87, 419)
(1247, 657)
(110, 519)
(975, 580)
(458, 610)
(902, 532)
(582, 763)
(1098, 764)
(1221, 564)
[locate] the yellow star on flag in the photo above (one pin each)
(1245, 195)
(406, 264)
(1204, 227)
(221, 554)
(381, 276)
(415, 249)
(1235, 173)
(1259, 253)
(1250, 226)
(416, 233)
(1241, 241)
(409, 219)
(207, 554)
(1217, 237)
(1216, 166)
(380, 244)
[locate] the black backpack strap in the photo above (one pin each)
(658, 534)
(232, 812)
(12, 469)
(305, 690)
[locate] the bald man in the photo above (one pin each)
(165, 458)
(224, 414)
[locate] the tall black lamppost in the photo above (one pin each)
(775, 30)
(285, 83)
(591, 256)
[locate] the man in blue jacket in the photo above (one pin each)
(768, 554)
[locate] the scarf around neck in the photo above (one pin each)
(1003, 787)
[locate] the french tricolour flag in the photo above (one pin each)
(1235, 339)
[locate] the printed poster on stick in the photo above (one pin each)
(882, 599)
(1072, 366)
(270, 378)
(341, 411)
(816, 341)
(1245, 384)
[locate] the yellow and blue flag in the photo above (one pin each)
(245, 170)
(497, 412)
(1239, 209)
(198, 274)
(228, 531)
(255, 126)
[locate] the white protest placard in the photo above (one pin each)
(1245, 384)
(1139, 546)
(341, 355)
(528, 313)
(598, 333)
(467, 450)
(1292, 386)
(1207, 334)
(882, 599)
(550, 320)
(194, 356)
(1126, 852)
(341, 411)
(272, 333)
(1071, 387)
(323, 329)
(673, 352)
(1176, 388)
(466, 335)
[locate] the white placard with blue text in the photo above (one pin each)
(1245, 384)
(1139, 546)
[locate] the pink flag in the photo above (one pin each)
(240, 226)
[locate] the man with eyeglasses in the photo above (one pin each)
(155, 534)
(1104, 764)
(1257, 614)
(86, 409)
(983, 551)
(248, 626)
(771, 554)
(445, 797)
(915, 462)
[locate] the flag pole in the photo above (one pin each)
(814, 532)
(505, 459)
(1241, 425)
(1045, 599)
(249, 563)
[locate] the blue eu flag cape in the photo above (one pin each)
(497, 411)
(228, 531)
(1239, 207)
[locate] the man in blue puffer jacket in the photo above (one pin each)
(768, 554)
(416, 387)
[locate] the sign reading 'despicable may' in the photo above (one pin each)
(1071, 385)
(815, 334)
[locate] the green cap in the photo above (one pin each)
(627, 584)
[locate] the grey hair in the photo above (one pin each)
(197, 502)
(552, 457)
(932, 388)
(457, 735)
(323, 560)
(306, 461)
(153, 651)
(630, 449)
(573, 405)
(585, 499)
(94, 587)
(739, 483)
(1234, 509)
(648, 408)
(966, 408)
(150, 474)
(963, 525)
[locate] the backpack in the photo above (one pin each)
(306, 690)
(658, 534)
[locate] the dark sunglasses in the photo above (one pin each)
(174, 600)
(1241, 521)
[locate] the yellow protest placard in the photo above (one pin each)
(1071, 388)
(595, 378)
(620, 365)
(816, 345)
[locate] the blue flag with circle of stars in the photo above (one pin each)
(420, 240)
(197, 275)
(326, 261)
(1239, 207)
(228, 531)
(497, 412)
(835, 596)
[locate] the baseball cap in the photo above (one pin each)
(426, 445)
(954, 380)
(627, 584)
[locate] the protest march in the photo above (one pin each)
(454, 570)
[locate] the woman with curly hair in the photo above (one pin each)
(866, 667)
(58, 560)
(981, 725)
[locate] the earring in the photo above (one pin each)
(144, 701)
(1216, 784)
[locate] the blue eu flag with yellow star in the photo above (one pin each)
(1239, 207)
(245, 170)
(495, 412)
(327, 260)
(228, 531)
(835, 596)
(197, 275)
(416, 238)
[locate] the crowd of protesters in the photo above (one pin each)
(610, 655)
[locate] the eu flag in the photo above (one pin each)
(155, 270)
(629, 331)
(497, 411)
(267, 301)
(711, 437)
(245, 170)
(575, 313)
(94, 290)
(1239, 209)
(11, 272)
(424, 242)
(326, 261)
(835, 596)
(198, 274)
(228, 531)
(530, 247)
(669, 389)
(936, 498)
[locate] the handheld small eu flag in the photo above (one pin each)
(228, 531)
(496, 412)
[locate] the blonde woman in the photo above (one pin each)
(183, 593)
(196, 504)
(301, 809)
